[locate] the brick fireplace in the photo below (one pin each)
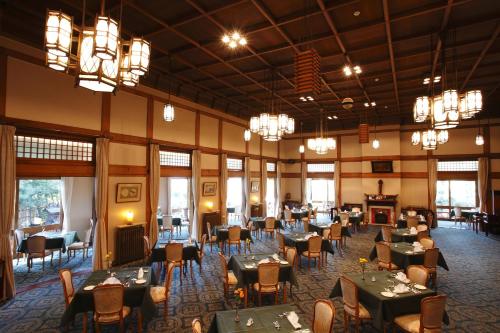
(381, 207)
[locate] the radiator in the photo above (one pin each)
(129, 244)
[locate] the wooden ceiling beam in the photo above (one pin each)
(439, 45)
(391, 51)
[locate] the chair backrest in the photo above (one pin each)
(209, 230)
(458, 211)
(167, 222)
(169, 278)
(431, 313)
(234, 233)
(383, 252)
(67, 284)
(314, 244)
(202, 244)
(422, 234)
(412, 213)
(88, 235)
(306, 225)
(356, 210)
(147, 247)
(288, 214)
(349, 294)
(315, 213)
(291, 255)
(344, 218)
(335, 231)
(108, 300)
(427, 243)
(281, 241)
(196, 325)
(411, 221)
(387, 234)
(174, 252)
(431, 257)
(422, 227)
(36, 244)
(417, 274)
(223, 265)
(429, 219)
(270, 221)
(323, 316)
(268, 274)
(19, 236)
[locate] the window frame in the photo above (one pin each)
(450, 207)
(235, 159)
(45, 136)
(175, 151)
(321, 171)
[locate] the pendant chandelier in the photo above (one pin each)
(479, 136)
(321, 144)
(302, 149)
(102, 60)
(429, 139)
(168, 108)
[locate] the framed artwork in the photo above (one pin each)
(254, 186)
(382, 167)
(209, 189)
(128, 192)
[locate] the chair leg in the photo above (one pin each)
(284, 291)
(43, 264)
(357, 324)
(260, 299)
(346, 321)
(276, 297)
(139, 321)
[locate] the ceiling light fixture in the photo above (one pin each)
(247, 135)
(356, 13)
(234, 40)
(321, 144)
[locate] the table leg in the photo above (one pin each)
(84, 323)
(139, 321)
(246, 296)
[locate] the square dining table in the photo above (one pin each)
(263, 318)
(299, 240)
(54, 240)
(135, 295)
(381, 308)
(323, 224)
(189, 252)
(244, 268)
(260, 222)
(398, 235)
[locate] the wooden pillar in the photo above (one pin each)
(149, 137)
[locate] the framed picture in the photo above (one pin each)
(382, 167)
(128, 192)
(209, 189)
(254, 186)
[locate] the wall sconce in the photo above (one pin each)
(129, 216)
(254, 198)
(209, 205)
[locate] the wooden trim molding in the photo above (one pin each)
(255, 174)
(105, 114)
(175, 172)
(210, 173)
(127, 170)
(291, 175)
(3, 83)
(38, 168)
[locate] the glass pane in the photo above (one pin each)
(234, 198)
(270, 199)
(442, 193)
(463, 193)
(443, 213)
(320, 192)
(39, 202)
(179, 197)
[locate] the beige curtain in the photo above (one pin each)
(263, 187)
(482, 183)
(7, 198)
(245, 210)
(432, 182)
(303, 182)
(223, 188)
(154, 191)
(100, 243)
(195, 225)
(66, 196)
(336, 180)
(277, 193)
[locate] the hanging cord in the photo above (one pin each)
(103, 5)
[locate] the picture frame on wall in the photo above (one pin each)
(209, 189)
(128, 192)
(382, 167)
(254, 186)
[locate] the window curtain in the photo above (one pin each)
(482, 182)
(432, 181)
(7, 199)
(277, 193)
(223, 188)
(246, 208)
(154, 191)
(194, 218)
(303, 178)
(336, 180)
(100, 244)
(66, 195)
(263, 187)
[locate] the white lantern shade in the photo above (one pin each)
(282, 122)
(415, 138)
(264, 121)
(291, 126)
(473, 101)
(321, 146)
(448, 115)
(442, 137)
(421, 109)
(331, 143)
(254, 124)
(247, 135)
(273, 131)
(127, 78)
(311, 144)
(106, 38)
(140, 51)
(168, 112)
(429, 140)
(376, 144)
(58, 63)
(302, 149)
(58, 33)
(479, 139)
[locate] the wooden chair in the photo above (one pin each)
(427, 243)
(201, 253)
(429, 319)
(431, 258)
(234, 238)
(384, 257)
(161, 294)
(167, 226)
(18, 239)
(81, 246)
(411, 221)
(291, 257)
(422, 234)
(254, 230)
(458, 217)
(417, 274)
(229, 278)
(335, 234)
(196, 325)
(323, 316)
(281, 244)
(344, 219)
(307, 218)
(288, 218)
(173, 254)
(147, 248)
(306, 225)
(36, 249)
(352, 307)
(211, 238)
(313, 251)
(268, 281)
(66, 278)
(270, 223)
(387, 233)
(108, 306)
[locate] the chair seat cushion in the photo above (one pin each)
(231, 278)
(386, 265)
(40, 255)
(269, 289)
(363, 312)
(77, 246)
(113, 317)
(158, 294)
(410, 323)
(313, 254)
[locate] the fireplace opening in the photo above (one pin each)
(381, 217)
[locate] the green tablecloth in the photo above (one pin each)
(189, 252)
(136, 295)
(260, 223)
(321, 226)
(403, 259)
(297, 240)
(381, 308)
(222, 233)
(54, 240)
(263, 317)
(248, 276)
(398, 235)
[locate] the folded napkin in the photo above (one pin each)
(413, 231)
(416, 244)
(249, 266)
(111, 280)
(402, 277)
(401, 288)
(264, 261)
(294, 320)
(276, 257)
(140, 273)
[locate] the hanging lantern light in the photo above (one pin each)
(58, 33)
(273, 131)
(311, 144)
(321, 146)
(473, 102)
(168, 112)
(126, 76)
(331, 143)
(421, 109)
(140, 51)
(58, 63)
(254, 124)
(376, 144)
(283, 122)
(263, 123)
(429, 140)
(105, 38)
(247, 135)
(291, 126)
(442, 137)
(447, 116)
(415, 138)
(479, 139)
(302, 149)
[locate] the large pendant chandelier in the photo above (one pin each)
(102, 60)
(429, 139)
(321, 144)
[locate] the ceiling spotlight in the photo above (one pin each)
(366, 105)
(243, 41)
(356, 13)
(376, 79)
(426, 80)
(437, 79)
(347, 103)
(357, 69)
(226, 39)
(330, 117)
(335, 117)
(347, 71)
(234, 40)
(373, 103)
(236, 35)
(232, 44)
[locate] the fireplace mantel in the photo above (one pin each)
(382, 200)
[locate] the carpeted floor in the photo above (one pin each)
(471, 286)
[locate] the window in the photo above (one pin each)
(320, 167)
(457, 165)
(454, 193)
(270, 198)
(39, 202)
(271, 167)
(52, 149)
(179, 197)
(321, 193)
(235, 164)
(174, 158)
(234, 199)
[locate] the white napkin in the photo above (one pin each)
(264, 261)
(294, 320)
(111, 280)
(416, 244)
(402, 277)
(413, 231)
(140, 273)
(276, 257)
(401, 288)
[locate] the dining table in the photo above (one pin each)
(245, 267)
(299, 214)
(222, 233)
(264, 320)
(384, 308)
(398, 235)
(190, 250)
(136, 294)
(299, 240)
(259, 222)
(403, 223)
(54, 240)
(404, 254)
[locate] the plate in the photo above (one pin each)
(283, 262)
(419, 286)
(140, 281)
(89, 287)
(387, 294)
(401, 292)
(409, 252)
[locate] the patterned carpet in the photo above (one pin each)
(471, 285)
